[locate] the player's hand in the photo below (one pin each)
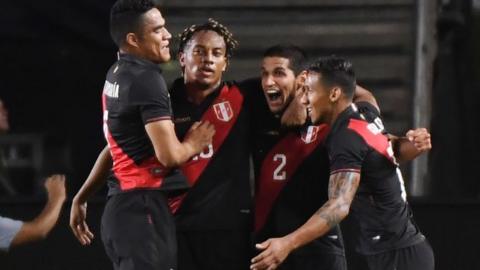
(78, 224)
(420, 138)
(274, 252)
(296, 113)
(55, 186)
(200, 135)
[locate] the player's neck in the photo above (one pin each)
(196, 93)
(338, 108)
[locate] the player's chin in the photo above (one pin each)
(165, 57)
(275, 108)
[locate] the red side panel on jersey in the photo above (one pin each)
(280, 165)
(223, 114)
(149, 174)
(377, 141)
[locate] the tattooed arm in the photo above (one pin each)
(341, 191)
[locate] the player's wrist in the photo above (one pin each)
(291, 242)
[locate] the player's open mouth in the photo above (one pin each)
(273, 95)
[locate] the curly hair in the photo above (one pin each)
(210, 25)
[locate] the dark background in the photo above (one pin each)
(54, 56)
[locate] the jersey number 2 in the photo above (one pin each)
(279, 173)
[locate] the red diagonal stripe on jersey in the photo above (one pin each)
(193, 169)
(295, 151)
(378, 141)
(129, 174)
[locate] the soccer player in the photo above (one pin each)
(214, 217)
(364, 178)
(291, 164)
(138, 230)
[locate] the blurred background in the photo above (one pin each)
(420, 58)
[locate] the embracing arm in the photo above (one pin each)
(415, 142)
(97, 177)
(95, 180)
(169, 150)
(341, 191)
(363, 95)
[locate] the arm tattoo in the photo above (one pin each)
(341, 190)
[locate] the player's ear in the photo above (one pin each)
(181, 59)
(227, 61)
(301, 78)
(335, 94)
(132, 40)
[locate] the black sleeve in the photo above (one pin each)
(149, 92)
(346, 150)
(367, 109)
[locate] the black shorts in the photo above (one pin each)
(416, 257)
(314, 262)
(138, 231)
(211, 250)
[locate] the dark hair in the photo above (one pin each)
(126, 17)
(210, 25)
(336, 71)
(296, 56)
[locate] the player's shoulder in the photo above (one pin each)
(368, 110)
(249, 87)
(348, 128)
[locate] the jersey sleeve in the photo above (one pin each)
(8, 229)
(367, 109)
(346, 150)
(149, 92)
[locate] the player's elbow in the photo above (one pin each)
(343, 211)
(169, 160)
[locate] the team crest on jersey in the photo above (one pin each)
(310, 135)
(223, 111)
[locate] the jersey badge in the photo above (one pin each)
(223, 111)
(310, 134)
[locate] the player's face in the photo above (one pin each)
(317, 98)
(204, 58)
(278, 82)
(154, 39)
(3, 118)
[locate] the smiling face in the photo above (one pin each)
(317, 98)
(152, 43)
(204, 59)
(278, 82)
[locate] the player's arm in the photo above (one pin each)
(152, 98)
(95, 180)
(363, 95)
(415, 142)
(169, 150)
(341, 191)
(40, 226)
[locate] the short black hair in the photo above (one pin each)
(211, 25)
(336, 71)
(126, 17)
(297, 57)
